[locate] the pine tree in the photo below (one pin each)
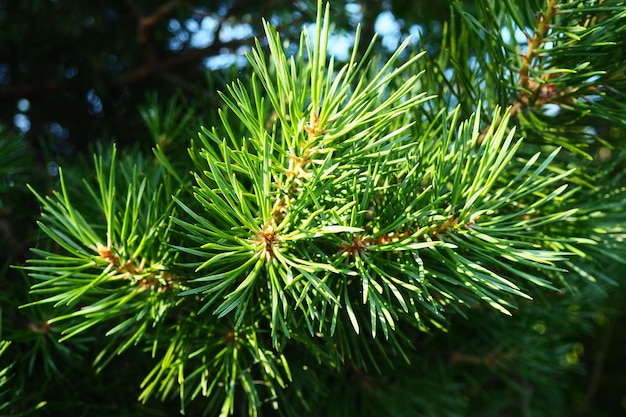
(426, 234)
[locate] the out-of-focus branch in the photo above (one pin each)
(146, 23)
(152, 67)
(145, 71)
(133, 75)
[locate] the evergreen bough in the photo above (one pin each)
(352, 238)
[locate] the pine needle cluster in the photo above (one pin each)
(414, 235)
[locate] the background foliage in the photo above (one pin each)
(75, 76)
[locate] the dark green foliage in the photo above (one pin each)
(414, 234)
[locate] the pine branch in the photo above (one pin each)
(341, 216)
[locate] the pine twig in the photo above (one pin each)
(527, 85)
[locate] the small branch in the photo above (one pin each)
(528, 86)
(146, 23)
(543, 27)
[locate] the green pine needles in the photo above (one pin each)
(339, 213)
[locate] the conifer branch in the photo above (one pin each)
(340, 216)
